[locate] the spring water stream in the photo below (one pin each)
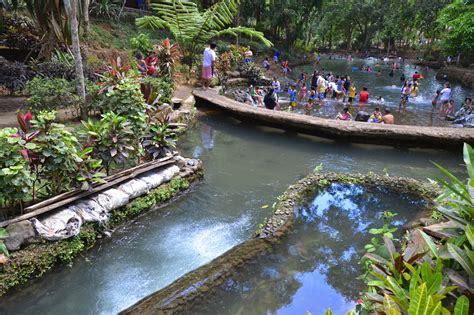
(316, 265)
(246, 167)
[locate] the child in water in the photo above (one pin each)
(303, 92)
(292, 94)
(435, 100)
(352, 93)
(450, 109)
(344, 115)
(376, 116)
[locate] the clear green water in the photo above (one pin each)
(316, 266)
(246, 167)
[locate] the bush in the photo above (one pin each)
(48, 94)
(142, 43)
(56, 151)
(251, 72)
(15, 178)
(125, 99)
(108, 9)
(164, 86)
(13, 75)
(112, 139)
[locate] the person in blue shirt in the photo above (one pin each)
(292, 94)
(276, 56)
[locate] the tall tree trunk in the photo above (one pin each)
(71, 11)
(85, 13)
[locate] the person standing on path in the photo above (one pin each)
(209, 57)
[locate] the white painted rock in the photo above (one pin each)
(90, 211)
(61, 225)
(112, 199)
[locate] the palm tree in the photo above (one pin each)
(192, 28)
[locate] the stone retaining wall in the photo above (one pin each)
(350, 131)
(40, 243)
(196, 285)
(465, 76)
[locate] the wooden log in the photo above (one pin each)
(348, 131)
(107, 179)
(47, 207)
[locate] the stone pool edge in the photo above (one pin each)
(36, 259)
(348, 131)
(177, 297)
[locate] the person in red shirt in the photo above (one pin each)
(416, 76)
(364, 95)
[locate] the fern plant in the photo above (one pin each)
(192, 29)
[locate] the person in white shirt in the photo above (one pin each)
(208, 64)
(445, 95)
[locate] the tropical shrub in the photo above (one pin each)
(159, 139)
(89, 173)
(120, 93)
(126, 99)
(456, 204)
(168, 55)
(109, 9)
(163, 86)
(15, 178)
(55, 151)
(112, 140)
(223, 65)
(49, 94)
(141, 42)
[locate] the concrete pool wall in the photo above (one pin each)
(349, 131)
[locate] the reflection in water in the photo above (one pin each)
(247, 168)
(315, 266)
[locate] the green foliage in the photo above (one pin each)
(110, 9)
(142, 43)
(164, 87)
(457, 28)
(112, 139)
(159, 139)
(191, 28)
(125, 99)
(89, 170)
(3, 248)
(15, 178)
(56, 154)
(49, 94)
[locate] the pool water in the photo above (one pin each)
(315, 266)
(246, 167)
(418, 111)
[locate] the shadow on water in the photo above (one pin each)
(315, 266)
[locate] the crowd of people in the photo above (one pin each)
(310, 91)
